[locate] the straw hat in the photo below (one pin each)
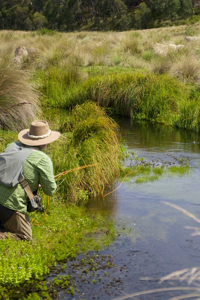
(38, 134)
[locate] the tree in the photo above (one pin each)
(186, 8)
(39, 21)
(142, 16)
(165, 9)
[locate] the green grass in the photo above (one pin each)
(64, 232)
(67, 229)
(157, 98)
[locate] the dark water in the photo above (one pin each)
(161, 219)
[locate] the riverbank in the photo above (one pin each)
(82, 72)
(86, 160)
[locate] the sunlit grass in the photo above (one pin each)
(64, 66)
(54, 239)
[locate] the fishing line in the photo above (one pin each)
(76, 169)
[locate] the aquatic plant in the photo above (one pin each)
(148, 172)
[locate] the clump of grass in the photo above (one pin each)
(147, 55)
(18, 98)
(187, 69)
(189, 113)
(55, 84)
(132, 45)
(161, 66)
(92, 141)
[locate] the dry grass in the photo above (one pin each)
(94, 52)
(111, 49)
(18, 98)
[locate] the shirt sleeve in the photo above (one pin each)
(46, 175)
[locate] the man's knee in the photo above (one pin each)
(20, 226)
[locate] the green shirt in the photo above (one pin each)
(38, 169)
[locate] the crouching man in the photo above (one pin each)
(24, 159)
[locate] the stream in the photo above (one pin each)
(157, 224)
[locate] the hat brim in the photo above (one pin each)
(26, 140)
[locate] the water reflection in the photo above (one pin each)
(162, 238)
(167, 234)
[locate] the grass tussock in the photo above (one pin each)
(92, 142)
(19, 103)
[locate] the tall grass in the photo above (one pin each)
(154, 97)
(89, 138)
(139, 95)
(19, 97)
(64, 65)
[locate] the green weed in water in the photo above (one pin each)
(181, 170)
(146, 173)
(142, 179)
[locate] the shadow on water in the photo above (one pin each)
(158, 225)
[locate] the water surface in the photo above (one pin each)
(162, 234)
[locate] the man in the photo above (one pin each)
(24, 159)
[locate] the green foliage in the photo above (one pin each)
(92, 142)
(55, 82)
(56, 238)
(95, 15)
(39, 21)
(146, 173)
(46, 31)
(142, 16)
(157, 98)
(147, 55)
(189, 113)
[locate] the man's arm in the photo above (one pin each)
(46, 175)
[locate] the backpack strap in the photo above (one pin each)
(27, 188)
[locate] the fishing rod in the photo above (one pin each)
(76, 169)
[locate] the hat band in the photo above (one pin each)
(39, 136)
